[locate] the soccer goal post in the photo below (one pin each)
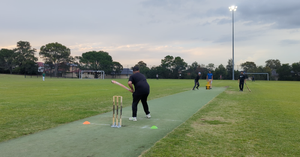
(268, 78)
(92, 74)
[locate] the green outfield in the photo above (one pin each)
(264, 122)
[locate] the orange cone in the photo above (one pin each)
(86, 122)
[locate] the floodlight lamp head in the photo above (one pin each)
(232, 8)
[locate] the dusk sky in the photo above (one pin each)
(148, 30)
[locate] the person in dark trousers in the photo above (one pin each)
(253, 78)
(197, 81)
(242, 80)
(140, 92)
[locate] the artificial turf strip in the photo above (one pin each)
(99, 139)
(29, 105)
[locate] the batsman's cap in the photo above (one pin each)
(199, 72)
(135, 68)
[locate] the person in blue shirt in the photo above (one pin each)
(209, 78)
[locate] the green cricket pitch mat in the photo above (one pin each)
(99, 139)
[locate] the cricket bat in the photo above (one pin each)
(247, 87)
(117, 83)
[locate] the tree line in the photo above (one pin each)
(57, 58)
(175, 67)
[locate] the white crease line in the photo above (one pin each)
(168, 120)
(144, 127)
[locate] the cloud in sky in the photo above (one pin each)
(149, 30)
(290, 42)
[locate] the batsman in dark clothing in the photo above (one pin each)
(242, 80)
(197, 81)
(140, 92)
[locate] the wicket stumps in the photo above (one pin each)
(117, 120)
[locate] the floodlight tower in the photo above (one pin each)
(232, 9)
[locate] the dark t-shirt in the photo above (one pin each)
(140, 83)
(197, 78)
(242, 77)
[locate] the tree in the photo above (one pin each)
(141, 64)
(179, 66)
(143, 67)
(55, 53)
(229, 65)
(97, 60)
(193, 67)
(262, 69)
(166, 67)
(296, 70)
(25, 56)
(173, 66)
(285, 72)
(117, 67)
(192, 70)
(249, 66)
(220, 70)
(210, 66)
(229, 70)
(7, 59)
(273, 63)
(167, 62)
(31, 67)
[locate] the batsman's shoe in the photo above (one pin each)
(148, 116)
(133, 119)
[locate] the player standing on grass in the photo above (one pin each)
(140, 92)
(44, 76)
(210, 78)
(197, 81)
(242, 79)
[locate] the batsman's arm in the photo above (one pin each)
(131, 87)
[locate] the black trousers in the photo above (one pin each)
(135, 102)
(196, 85)
(241, 85)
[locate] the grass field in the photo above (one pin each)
(29, 105)
(264, 122)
